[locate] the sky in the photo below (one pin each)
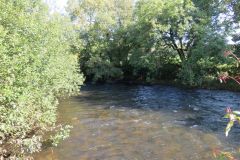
(57, 5)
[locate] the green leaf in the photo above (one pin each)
(228, 128)
(236, 112)
(226, 116)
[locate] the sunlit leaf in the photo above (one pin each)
(226, 116)
(236, 112)
(228, 128)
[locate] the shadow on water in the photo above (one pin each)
(145, 122)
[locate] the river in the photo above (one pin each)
(137, 122)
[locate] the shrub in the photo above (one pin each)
(36, 68)
(102, 70)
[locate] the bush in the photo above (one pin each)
(195, 72)
(102, 70)
(36, 68)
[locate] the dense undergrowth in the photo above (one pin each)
(36, 69)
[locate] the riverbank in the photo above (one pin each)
(211, 85)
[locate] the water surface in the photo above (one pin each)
(123, 122)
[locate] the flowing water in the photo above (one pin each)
(125, 122)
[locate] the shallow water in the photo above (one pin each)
(124, 122)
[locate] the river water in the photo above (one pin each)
(136, 122)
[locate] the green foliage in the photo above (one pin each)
(99, 24)
(62, 134)
(151, 39)
(232, 116)
(102, 70)
(176, 23)
(144, 40)
(36, 68)
(205, 61)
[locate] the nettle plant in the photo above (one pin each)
(233, 116)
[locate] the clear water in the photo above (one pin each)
(125, 122)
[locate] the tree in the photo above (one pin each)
(176, 24)
(100, 23)
(140, 39)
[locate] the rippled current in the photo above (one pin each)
(136, 122)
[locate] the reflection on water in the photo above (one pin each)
(120, 122)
